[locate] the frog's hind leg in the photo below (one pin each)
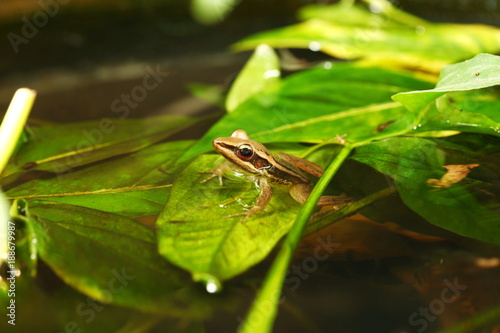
(300, 192)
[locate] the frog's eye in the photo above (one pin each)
(245, 152)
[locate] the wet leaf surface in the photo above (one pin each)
(195, 233)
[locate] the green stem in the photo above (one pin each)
(13, 123)
(265, 307)
(347, 211)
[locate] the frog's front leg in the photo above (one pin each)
(263, 199)
(219, 172)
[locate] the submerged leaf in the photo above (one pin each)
(130, 272)
(454, 174)
(469, 208)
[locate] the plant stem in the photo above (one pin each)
(347, 211)
(13, 123)
(265, 307)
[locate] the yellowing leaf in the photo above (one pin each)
(387, 38)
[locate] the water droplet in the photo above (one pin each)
(272, 73)
(328, 65)
(376, 6)
(314, 46)
(420, 30)
(212, 287)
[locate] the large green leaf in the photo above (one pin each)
(262, 70)
(318, 104)
(389, 38)
(194, 234)
(437, 109)
(129, 271)
(132, 185)
(61, 148)
(469, 207)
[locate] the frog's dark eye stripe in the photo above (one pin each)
(245, 151)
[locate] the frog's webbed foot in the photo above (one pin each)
(247, 214)
(262, 201)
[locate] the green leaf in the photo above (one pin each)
(482, 71)
(133, 185)
(261, 71)
(318, 104)
(88, 142)
(194, 234)
(354, 32)
(467, 207)
(130, 272)
(435, 109)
